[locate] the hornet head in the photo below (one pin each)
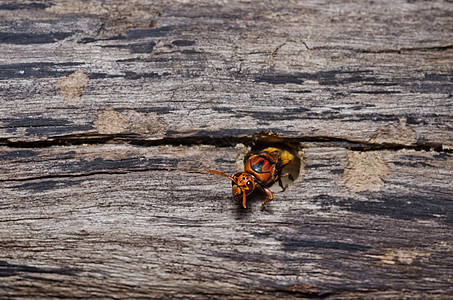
(243, 184)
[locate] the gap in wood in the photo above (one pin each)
(228, 141)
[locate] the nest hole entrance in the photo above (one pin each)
(294, 167)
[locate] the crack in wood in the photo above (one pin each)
(228, 141)
(7, 269)
(388, 50)
(87, 174)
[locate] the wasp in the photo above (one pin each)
(261, 170)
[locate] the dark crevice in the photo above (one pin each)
(433, 48)
(305, 291)
(224, 141)
(87, 174)
(7, 269)
(398, 51)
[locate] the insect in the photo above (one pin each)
(261, 170)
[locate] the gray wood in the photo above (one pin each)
(315, 70)
(110, 111)
(134, 221)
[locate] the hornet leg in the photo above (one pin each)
(269, 193)
(280, 183)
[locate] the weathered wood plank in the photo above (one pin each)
(99, 200)
(157, 226)
(339, 70)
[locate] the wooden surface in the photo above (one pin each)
(110, 110)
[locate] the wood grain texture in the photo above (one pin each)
(110, 110)
(339, 70)
(148, 222)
